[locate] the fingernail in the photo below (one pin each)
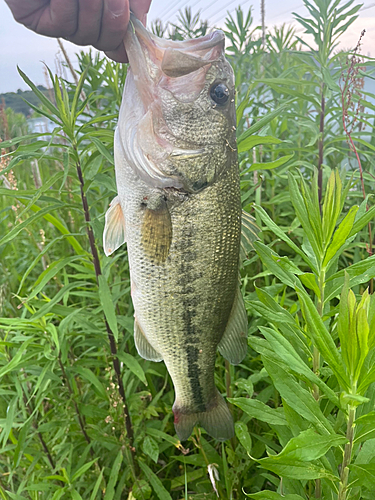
(116, 7)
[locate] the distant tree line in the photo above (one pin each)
(15, 100)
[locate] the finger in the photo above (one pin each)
(88, 28)
(139, 9)
(59, 19)
(118, 55)
(115, 20)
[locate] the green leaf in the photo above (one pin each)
(271, 164)
(272, 495)
(76, 495)
(9, 420)
(132, 363)
(365, 427)
(322, 338)
(272, 261)
(340, 235)
(294, 469)
(82, 470)
(97, 486)
(49, 273)
(263, 121)
(92, 378)
(15, 361)
(77, 94)
(156, 433)
(256, 140)
(280, 233)
(296, 396)
(151, 448)
(243, 435)
(365, 475)
(305, 214)
(288, 354)
(309, 446)
(141, 490)
(43, 99)
(256, 409)
(309, 280)
(19, 227)
(362, 221)
(157, 485)
(108, 305)
(110, 490)
(102, 149)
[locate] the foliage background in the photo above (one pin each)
(82, 416)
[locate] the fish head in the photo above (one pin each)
(177, 121)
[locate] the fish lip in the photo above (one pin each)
(144, 47)
(195, 44)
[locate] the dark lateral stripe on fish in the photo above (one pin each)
(192, 353)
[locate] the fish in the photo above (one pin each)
(178, 208)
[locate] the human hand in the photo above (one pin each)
(100, 23)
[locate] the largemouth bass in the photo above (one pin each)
(179, 210)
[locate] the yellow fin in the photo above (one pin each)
(114, 229)
(144, 348)
(233, 344)
(157, 233)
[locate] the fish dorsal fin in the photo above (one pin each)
(114, 229)
(249, 234)
(233, 344)
(157, 233)
(144, 348)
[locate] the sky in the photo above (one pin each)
(19, 46)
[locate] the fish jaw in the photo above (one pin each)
(172, 132)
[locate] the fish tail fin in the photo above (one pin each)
(217, 420)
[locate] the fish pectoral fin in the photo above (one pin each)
(249, 234)
(157, 233)
(233, 344)
(114, 229)
(144, 348)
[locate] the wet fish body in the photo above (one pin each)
(179, 210)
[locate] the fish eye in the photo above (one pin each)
(219, 93)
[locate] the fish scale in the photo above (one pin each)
(183, 240)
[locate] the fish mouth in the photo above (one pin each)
(173, 58)
(156, 62)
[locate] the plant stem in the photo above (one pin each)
(79, 416)
(320, 146)
(111, 338)
(347, 454)
(228, 379)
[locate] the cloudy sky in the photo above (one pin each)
(19, 46)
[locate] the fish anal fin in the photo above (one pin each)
(157, 233)
(233, 344)
(114, 229)
(249, 234)
(216, 420)
(144, 348)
